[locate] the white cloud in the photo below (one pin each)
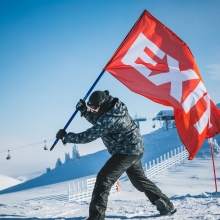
(214, 71)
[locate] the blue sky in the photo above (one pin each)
(51, 52)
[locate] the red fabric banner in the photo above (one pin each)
(154, 62)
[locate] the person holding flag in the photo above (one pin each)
(112, 123)
(154, 62)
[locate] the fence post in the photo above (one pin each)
(180, 149)
(83, 193)
(170, 158)
(68, 192)
(175, 158)
(157, 162)
(148, 172)
(78, 190)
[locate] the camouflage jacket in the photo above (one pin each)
(116, 128)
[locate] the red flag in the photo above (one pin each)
(154, 62)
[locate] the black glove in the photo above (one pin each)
(81, 106)
(61, 134)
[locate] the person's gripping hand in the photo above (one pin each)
(61, 135)
(81, 106)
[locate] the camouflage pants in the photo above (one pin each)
(108, 175)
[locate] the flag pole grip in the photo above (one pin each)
(74, 114)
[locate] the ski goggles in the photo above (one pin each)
(92, 107)
(95, 106)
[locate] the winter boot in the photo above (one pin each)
(164, 208)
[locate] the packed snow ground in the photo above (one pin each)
(190, 187)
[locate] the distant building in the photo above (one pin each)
(167, 116)
(164, 115)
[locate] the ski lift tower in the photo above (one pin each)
(138, 119)
(166, 116)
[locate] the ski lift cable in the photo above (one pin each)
(30, 145)
(24, 146)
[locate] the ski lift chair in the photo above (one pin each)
(9, 156)
(153, 126)
(45, 146)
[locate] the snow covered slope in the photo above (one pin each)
(157, 143)
(85, 166)
(160, 142)
(6, 182)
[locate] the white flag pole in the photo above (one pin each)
(213, 163)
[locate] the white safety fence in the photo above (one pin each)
(171, 158)
(80, 191)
